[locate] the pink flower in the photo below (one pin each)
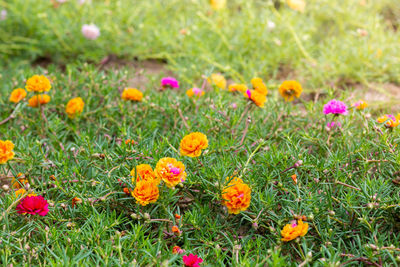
(169, 82)
(197, 91)
(248, 92)
(3, 14)
(335, 107)
(333, 124)
(90, 31)
(192, 260)
(33, 205)
(234, 105)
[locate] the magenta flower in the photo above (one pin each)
(33, 205)
(248, 92)
(335, 107)
(169, 82)
(192, 260)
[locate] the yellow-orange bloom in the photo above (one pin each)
(144, 172)
(192, 144)
(74, 107)
(290, 89)
(17, 95)
(17, 182)
(38, 83)
(175, 229)
(259, 86)
(6, 151)
(129, 142)
(360, 105)
(194, 92)
(218, 80)
(145, 192)
(390, 120)
(218, 4)
(256, 97)
(294, 230)
(20, 192)
(171, 171)
(237, 87)
(76, 200)
(236, 196)
(298, 5)
(35, 100)
(132, 94)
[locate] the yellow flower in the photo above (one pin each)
(390, 120)
(218, 4)
(236, 196)
(290, 89)
(194, 92)
(145, 192)
(192, 144)
(294, 230)
(17, 95)
(259, 86)
(144, 172)
(256, 97)
(17, 182)
(218, 80)
(20, 192)
(74, 107)
(38, 83)
(6, 151)
(132, 94)
(237, 87)
(298, 5)
(360, 105)
(35, 100)
(171, 171)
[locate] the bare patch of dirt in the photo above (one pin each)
(381, 96)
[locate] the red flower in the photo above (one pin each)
(192, 260)
(33, 205)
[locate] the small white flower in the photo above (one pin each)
(271, 25)
(90, 31)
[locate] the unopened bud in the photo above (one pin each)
(6, 187)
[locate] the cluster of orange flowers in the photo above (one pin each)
(169, 170)
(40, 84)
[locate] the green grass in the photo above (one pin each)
(347, 180)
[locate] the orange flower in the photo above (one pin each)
(290, 89)
(192, 144)
(390, 120)
(259, 86)
(256, 97)
(298, 5)
(144, 172)
(132, 94)
(218, 80)
(194, 92)
(76, 200)
(145, 192)
(237, 87)
(74, 107)
(294, 178)
(38, 83)
(17, 95)
(177, 216)
(294, 230)
(6, 151)
(19, 182)
(360, 105)
(35, 100)
(177, 250)
(129, 141)
(176, 230)
(171, 171)
(236, 196)
(20, 192)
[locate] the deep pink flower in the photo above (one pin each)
(192, 260)
(169, 82)
(248, 92)
(335, 107)
(33, 205)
